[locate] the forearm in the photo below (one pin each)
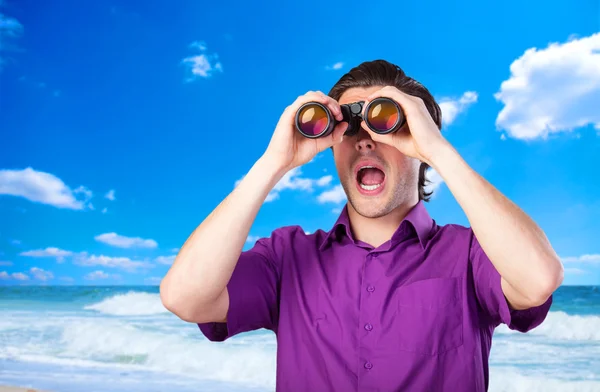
(208, 257)
(515, 244)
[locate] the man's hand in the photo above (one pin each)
(288, 148)
(420, 137)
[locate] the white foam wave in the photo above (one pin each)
(559, 325)
(130, 304)
(122, 344)
(167, 345)
(110, 339)
(502, 380)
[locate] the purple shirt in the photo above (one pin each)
(415, 314)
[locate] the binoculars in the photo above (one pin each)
(382, 115)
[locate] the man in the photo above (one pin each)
(387, 300)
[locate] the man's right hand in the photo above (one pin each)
(288, 148)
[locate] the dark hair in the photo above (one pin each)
(384, 73)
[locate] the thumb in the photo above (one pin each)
(338, 132)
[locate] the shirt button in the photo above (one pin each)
(370, 288)
(368, 365)
(368, 327)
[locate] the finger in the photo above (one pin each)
(314, 96)
(336, 137)
(292, 109)
(331, 103)
(407, 102)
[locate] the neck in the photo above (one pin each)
(376, 231)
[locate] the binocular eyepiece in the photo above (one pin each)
(382, 115)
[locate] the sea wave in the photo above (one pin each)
(100, 342)
(560, 325)
(130, 304)
(504, 380)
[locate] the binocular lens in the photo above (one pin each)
(383, 115)
(312, 119)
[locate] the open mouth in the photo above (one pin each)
(370, 179)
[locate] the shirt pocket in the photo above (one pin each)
(429, 318)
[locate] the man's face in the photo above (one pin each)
(373, 192)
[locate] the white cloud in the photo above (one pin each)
(41, 274)
(252, 239)
(96, 275)
(293, 180)
(85, 259)
(435, 178)
(552, 90)
(575, 271)
(325, 180)
(42, 187)
(587, 258)
(14, 275)
(200, 45)
(334, 195)
(20, 276)
(451, 107)
(10, 29)
(59, 254)
(153, 280)
(110, 195)
(104, 210)
(120, 241)
(202, 65)
(83, 190)
(165, 259)
(335, 66)
(125, 263)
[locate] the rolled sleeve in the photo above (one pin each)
(491, 298)
(253, 295)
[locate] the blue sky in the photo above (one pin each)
(124, 123)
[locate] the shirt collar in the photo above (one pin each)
(418, 218)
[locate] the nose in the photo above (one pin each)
(364, 143)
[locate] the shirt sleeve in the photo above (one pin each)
(253, 295)
(491, 298)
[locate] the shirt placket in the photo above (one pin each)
(368, 325)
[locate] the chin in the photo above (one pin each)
(370, 207)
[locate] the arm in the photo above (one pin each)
(195, 286)
(530, 269)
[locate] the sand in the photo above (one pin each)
(6, 388)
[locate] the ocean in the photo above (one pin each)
(111, 338)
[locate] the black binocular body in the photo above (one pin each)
(382, 115)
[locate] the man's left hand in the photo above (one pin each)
(420, 137)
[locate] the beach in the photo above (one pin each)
(72, 339)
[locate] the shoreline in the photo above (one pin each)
(10, 388)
